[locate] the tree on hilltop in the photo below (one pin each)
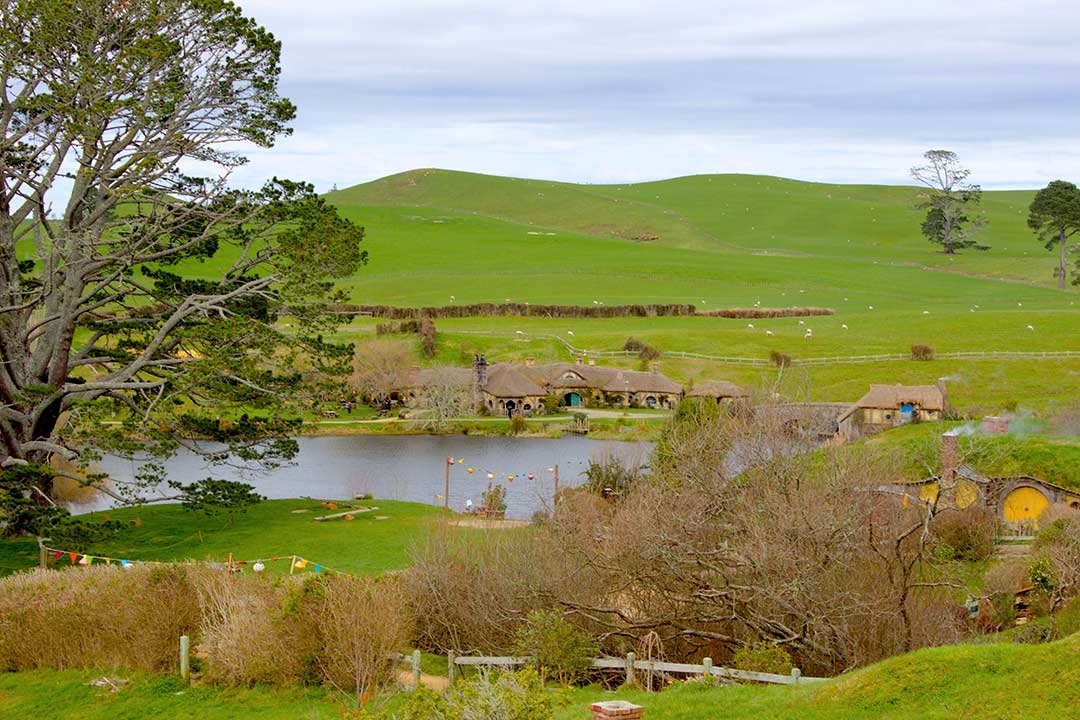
(950, 202)
(135, 284)
(1054, 215)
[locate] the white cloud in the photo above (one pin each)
(608, 90)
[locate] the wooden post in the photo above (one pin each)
(630, 668)
(555, 498)
(292, 564)
(43, 558)
(795, 674)
(450, 667)
(707, 663)
(416, 669)
(185, 658)
(446, 492)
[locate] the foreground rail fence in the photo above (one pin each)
(630, 664)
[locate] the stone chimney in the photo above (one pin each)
(950, 457)
(480, 372)
(579, 360)
(656, 368)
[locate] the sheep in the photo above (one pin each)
(750, 325)
(802, 322)
(570, 333)
(769, 333)
(844, 327)
(809, 334)
(1031, 327)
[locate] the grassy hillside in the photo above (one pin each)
(724, 241)
(974, 682)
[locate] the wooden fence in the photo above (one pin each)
(630, 664)
(835, 360)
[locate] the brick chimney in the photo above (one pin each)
(480, 371)
(950, 456)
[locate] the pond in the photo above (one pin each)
(410, 467)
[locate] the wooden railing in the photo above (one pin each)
(630, 664)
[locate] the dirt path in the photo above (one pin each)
(488, 523)
(431, 682)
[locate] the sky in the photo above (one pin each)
(612, 91)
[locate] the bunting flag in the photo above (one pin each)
(297, 563)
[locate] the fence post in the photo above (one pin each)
(707, 664)
(450, 668)
(185, 658)
(416, 669)
(795, 674)
(630, 668)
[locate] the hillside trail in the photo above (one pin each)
(431, 682)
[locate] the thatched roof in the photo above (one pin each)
(506, 380)
(927, 397)
(718, 389)
(639, 382)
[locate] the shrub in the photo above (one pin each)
(610, 477)
(763, 657)
(494, 498)
(427, 337)
(967, 534)
(550, 403)
(645, 351)
(559, 650)
(779, 359)
(518, 425)
(488, 696)
(922, 352)
(97, 616)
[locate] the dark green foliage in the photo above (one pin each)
(1054, 215)
(158, 289)
(763, 657)
(645, 351)
(950, 202)
(493, 499)
(211, 496)
(611, 477)
(559, 651)
(779, 359)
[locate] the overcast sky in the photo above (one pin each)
(631, 90)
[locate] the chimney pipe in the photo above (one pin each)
(950, 457)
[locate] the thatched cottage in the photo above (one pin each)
(887, 406)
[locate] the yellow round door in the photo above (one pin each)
(1024, 503)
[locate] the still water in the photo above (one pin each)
(411, 467)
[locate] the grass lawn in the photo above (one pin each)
(974, 682)
(168, 533)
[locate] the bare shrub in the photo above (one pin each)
(381, 368)
(245, 637)
(468, 593)
(98, 616)
(427, 337)
(358, 623)
(922, 352)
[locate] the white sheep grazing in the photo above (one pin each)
(1031, 327)
(570, 333)
(809, 334)
(750, 325)
(844, 326)
(769, 333)
(801, 322)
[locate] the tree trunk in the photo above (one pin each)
(1061, 265)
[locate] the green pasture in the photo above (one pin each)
(373, 542)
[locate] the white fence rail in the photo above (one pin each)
(835, 360)
(630, 664)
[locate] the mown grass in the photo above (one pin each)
(168, 533)
(974, 682)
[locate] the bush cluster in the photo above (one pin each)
(644, 350)
(559, 651)
(521, 310)
(922, 352)
(427, 337)
(245, 629)
(763, 657)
